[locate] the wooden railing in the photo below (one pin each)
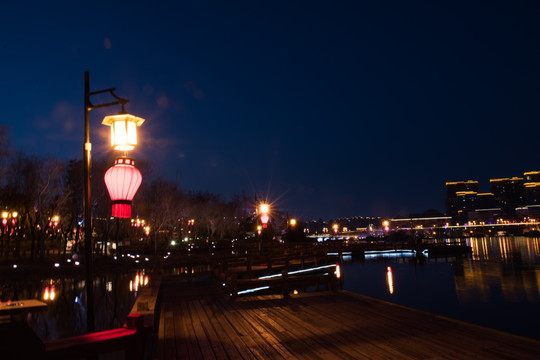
(285, 282)
(238, 274)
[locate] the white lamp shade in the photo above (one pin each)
(123, 130)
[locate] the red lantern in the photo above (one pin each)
(264, 220)
(123, 181)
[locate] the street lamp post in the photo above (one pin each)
(88, 193)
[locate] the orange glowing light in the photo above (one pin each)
(390, 280)
(338, 271)
(264, 208)
(123, 130)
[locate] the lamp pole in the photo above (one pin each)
(88, 242)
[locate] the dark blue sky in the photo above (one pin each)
(338, 108)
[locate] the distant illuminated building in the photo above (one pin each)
(509, 194)
(485, 201)
(532, 187)
(419, 222)
(455, 202)
(486, 209)
(532, 176)
(514, 198)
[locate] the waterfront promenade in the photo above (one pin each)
(197, 323)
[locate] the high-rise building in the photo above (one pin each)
(509, 194)
(531, 176)
(532, 187)
(460, 195)
(464, 202)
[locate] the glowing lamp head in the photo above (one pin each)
(123, 130)
(264, 209)
(293, 222)
(123, 181)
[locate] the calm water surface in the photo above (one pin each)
(65, 314)
(497, 285)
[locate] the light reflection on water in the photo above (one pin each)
(497, 285)
(65, 314)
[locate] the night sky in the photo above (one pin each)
(329, 108)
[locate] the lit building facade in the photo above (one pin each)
(509, 194)
(510, 198)
(459, 195)
(532, 187)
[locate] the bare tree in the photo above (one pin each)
(164, 202)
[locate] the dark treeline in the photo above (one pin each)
(41, 200)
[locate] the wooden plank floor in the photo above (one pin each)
(195, 323)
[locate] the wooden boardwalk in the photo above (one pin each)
(195, 323)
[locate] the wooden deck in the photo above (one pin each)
(196, 323)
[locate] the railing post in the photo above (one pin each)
(285, 284)
(233, 286)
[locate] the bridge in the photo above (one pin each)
(459, 229)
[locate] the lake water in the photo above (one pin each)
(497, 285)
(65, 314)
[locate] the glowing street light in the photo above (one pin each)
(264, 210)
(386, 225)
(7, 214)
(292, 222)
(117, 141)
(123, 130)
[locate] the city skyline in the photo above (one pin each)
(328, 111)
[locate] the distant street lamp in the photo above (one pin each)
(120, 124)
(264, 209)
